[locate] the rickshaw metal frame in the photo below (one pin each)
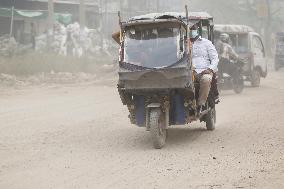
(134, 72)
(165, 95)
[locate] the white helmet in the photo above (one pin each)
(224, 38)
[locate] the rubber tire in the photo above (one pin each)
(238, 86)
(158, 135)
(211, 120)
(255, 78)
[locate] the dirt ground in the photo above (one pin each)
(79, 136)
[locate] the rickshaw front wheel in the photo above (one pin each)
(157, 127)
(211, 120)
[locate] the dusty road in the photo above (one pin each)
(79, 137)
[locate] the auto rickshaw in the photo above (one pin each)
(248, 44)
(156, 80)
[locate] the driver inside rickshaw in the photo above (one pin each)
(227, 55)
(205, 62)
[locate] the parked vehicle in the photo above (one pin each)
(279, 54)
(156, 80)
(248, 44)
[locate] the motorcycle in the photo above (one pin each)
(231, 77)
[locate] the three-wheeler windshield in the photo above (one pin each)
(153, 47)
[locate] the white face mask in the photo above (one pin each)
(194, 33)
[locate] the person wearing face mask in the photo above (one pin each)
(205, 62)
(227, 56)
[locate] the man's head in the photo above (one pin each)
(194, 31)
(225, 38)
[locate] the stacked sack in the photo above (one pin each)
(69, 41)
(8, 46)
(59, 39)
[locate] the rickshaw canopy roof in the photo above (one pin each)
(236, 29)
(194, 17)
(153, 16)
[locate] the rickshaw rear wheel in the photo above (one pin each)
(238, 85)
(276, 66)
(157, 128)
(211, 120)
(255, 78)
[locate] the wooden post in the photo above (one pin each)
(82, 14)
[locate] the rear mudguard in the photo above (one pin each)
(177, 113)
(153, 106)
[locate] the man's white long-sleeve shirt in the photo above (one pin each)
(204, 55)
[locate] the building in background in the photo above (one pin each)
(100, 14)
(35, 12)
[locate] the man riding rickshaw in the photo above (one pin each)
(165, 71)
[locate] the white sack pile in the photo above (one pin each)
(74, 41)
(7, 46)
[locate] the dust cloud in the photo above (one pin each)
(63, 125)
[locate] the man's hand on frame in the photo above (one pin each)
(208, 71)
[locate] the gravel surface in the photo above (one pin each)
(79, 136)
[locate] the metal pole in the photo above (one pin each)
(120, 6)
(129, 8)
(101, 10)
(12, 19)
(50, 14)
(82, 14)
(50, 23)
(158, 5)
(267, 29)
